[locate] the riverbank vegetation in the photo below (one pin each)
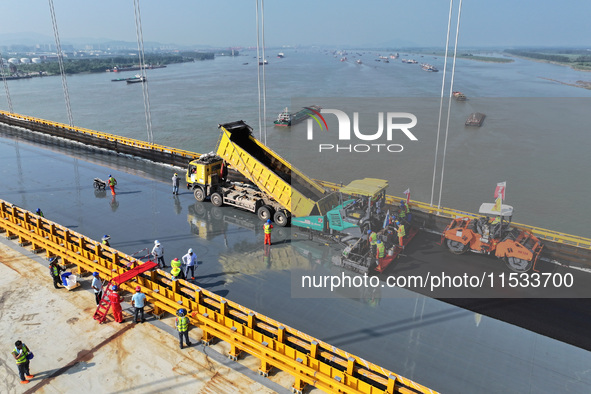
(102, 64)
(578, 59)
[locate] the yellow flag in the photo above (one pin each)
(497, 207)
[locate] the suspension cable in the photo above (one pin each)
(142, 61)
(451, 4)
(60, 58)
(264, 77)
(451, 86)
(6, 85)
(259, 70)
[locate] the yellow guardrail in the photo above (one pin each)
(104, 136)
(310, 361)
(542, 233)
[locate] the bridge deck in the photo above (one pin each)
(432, 342)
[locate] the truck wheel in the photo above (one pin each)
(456, 247)
(199, 194)
(217, 200)
(280, 218)
(264, 213)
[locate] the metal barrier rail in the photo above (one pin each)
(309, 360)
(542, 233)
(104, 136)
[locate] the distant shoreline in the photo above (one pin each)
(578, 84)
(573, 67)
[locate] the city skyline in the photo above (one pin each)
(346, 23)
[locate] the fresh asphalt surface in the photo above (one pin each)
(449, 349)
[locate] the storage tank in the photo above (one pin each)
(25, 60)
(13, 60)
(36, 60)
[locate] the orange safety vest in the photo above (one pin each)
(401, 231)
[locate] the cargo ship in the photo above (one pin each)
(475, 119)
(459, 96)
(429, 67)
(286, 119)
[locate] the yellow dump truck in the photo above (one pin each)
(280, 190)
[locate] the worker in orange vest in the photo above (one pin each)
(115, 299)
(401, 233)
(268, 227)
(112, 182)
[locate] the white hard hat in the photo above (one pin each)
(156, 242)
(190, 250)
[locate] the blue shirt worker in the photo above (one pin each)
(190, 261)
(22, 354)
(138, 300)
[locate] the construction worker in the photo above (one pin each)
(158, 253)
(182, 326)
(112, 182)
(55, 270)
(39, 212)
(381, 250)
(268, 227)
(175, 183)
(106, 239)
(22, 354)
(97, 287)
(176, 271)
(190, 261)
(404, 212)
(224, 171)
(115, 299)
(138, 301)
(401, 233)
(372, 238)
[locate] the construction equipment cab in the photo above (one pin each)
(348, 213)
(492, 233)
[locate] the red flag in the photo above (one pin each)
(407, 192)
(500, 190)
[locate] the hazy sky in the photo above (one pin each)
(501, 23)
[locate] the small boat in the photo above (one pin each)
(358, 61)
(280, 55)
(429, 67)
(344, 59)
(394, 56)
(244, 64)
(475, 119)
(459, 96)
(263, 62)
